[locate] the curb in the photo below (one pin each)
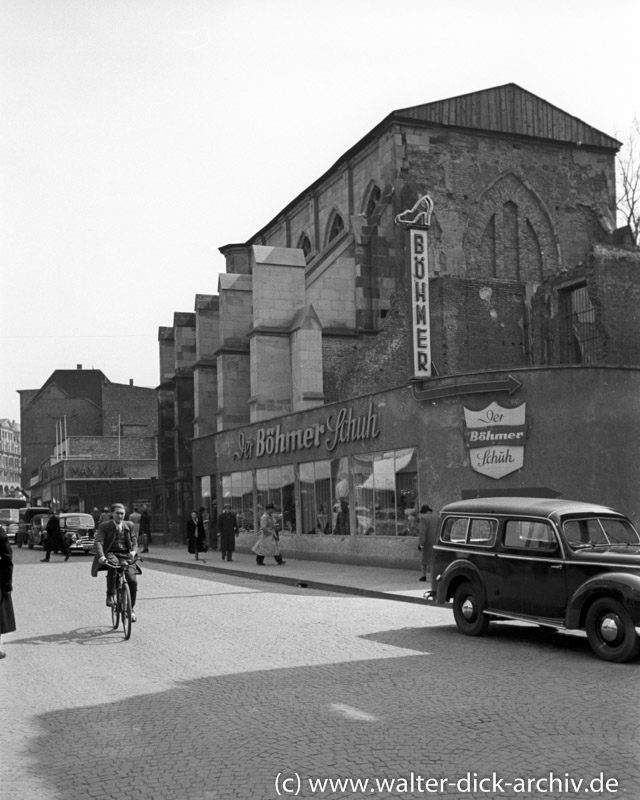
(302, 583)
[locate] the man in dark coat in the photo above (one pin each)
(7, 618)
(145, 529)
(115, 542)
(228, 529)
(55, 540)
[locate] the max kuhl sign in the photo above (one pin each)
(495, 438)
(342, 427)
(97, 471)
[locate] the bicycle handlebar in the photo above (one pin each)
(122, 565)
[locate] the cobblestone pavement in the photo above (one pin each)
(234, 688)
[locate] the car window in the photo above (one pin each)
(455, 529)
(583, 531)
(586, 532)
(483, 531)
(529, 535)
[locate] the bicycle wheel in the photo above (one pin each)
(115, 611)
(125, 610)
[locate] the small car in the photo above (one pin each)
(37, 529)
(25, 519)
(9, 519)
(557, 563)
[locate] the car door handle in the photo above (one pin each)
(557, 566)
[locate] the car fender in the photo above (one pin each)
(622, 586)
(455, 573)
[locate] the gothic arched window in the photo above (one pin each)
(336, 226)
(304, 244)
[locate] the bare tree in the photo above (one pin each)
(628, 168)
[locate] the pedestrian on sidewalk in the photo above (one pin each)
(144, 536)
(134, 517)
(228, 530)
(7, 617)
(426, 540)
(196, 539)
(55, 540)
(268, 543)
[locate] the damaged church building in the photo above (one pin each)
(449, 311)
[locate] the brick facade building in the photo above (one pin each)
(310, 339)
(89, 442)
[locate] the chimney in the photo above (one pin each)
(130, 381)
(78, 366)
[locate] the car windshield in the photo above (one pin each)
(604, 531)
(78, 521)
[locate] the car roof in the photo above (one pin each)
(534, 506)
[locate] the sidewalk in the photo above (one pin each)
(391, 584)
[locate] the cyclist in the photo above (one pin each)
(115, 542)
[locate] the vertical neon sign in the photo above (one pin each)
(417, 220)
(420, 304)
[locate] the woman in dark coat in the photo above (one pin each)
(196, 538)
(7, 617)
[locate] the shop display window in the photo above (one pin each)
(386, 486)
(321, 511)
(237, 489)
(277, 485)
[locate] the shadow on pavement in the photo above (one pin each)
(499, 634)
(91, 636)
(456, 705)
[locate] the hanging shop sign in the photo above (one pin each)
(339, 428)
(417, 219)
(496, 438)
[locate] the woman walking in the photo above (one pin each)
(196, 539)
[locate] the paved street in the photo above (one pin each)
(235, 688)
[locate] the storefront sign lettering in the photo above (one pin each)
(97, 471)
(343, 427)
(496, 437)
(348, 428)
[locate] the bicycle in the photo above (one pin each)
(122, 610)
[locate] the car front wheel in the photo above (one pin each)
(610, 631)
(468, 610)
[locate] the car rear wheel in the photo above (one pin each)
(468, 610)
(610, 631)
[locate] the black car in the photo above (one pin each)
(77, 527)
(557, 563)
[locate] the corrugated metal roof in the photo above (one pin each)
(509, 109)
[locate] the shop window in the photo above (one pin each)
(386, 493)
(237, 489)
(324, 495)
(207, 499)
(579, 337)
(276, 485)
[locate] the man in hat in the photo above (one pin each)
(426, 540)
(267, 544)
(228, 530)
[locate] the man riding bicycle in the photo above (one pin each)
(115, 542)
